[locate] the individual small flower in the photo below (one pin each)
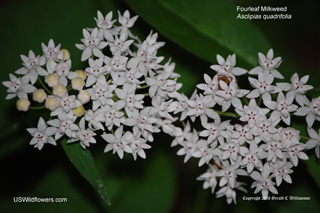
(314, 141)
(32, 67)
(51, 51)
(209, 178)
(92, 44)
(203, 152)
(189, 146)
(264, 129)
(67, 103)
(84, 96)
(263, 182)
(59, 90)
(52, 103)
(105, 25)
(116, 143)
(137, 144)
(241, 134)
(226, 67)
(52, 79)
(263, 87)
(39, 95)
(65, 124)
(42, 134)
(295, 152)
(289, 137)
(252, 113)
(268, 65)
(297, 88)
(252, 158)
(230, 95)
(229, 173)
(101, 94)
(230, 192)
(113, 115)
(311, 111)
(85, 136)
(211, 85)
(202, 106)
(95, 71)
(18, 87)
(126, 23)
(23, 104)
(283, 107)
(121, 44)
(283, 173)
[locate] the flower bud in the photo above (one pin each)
(39, 95)
(59, 90)
(64, 54)
(77, 83)
(81, 74)
(84, 96)
(52, 103)
(52, 79)
(79, 111)
(23, 104)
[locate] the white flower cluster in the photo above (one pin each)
(253, 137)
(123, 95)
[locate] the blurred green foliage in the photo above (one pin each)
(194, 32)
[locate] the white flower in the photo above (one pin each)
(127, 97)
(252, 113)
(95, 119)
(86, 136)
(209, 178)
(216, 131)
(268, 65)
(311, 111)
(133, 75)
(314, 141)
(283, 173)
(226, 67)
(116, 142)
(92, 44)
(203, 152)
(67, 103)
(282, 108)
(101, 94)
(113, 115)
(274, 150)
(32, 67)
(230, 151)
(241, 134)
(297, 88)
(211, 85)
(105, 25)
(42, 134)
(137, 144)
(264, 129)
(230, 192)
(18, 87)
(252, 158)
(51, 51)
(230, 95)
(229, 173)
(126, 23)
(289, 137)
(263, 87)
(202, 106)
(121, 44)
(263, 182)
(295, 152)
(65, 124)
(95, 71)
(189, 146)
(181, 135)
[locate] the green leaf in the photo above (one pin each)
(84, 163)
(202, 28)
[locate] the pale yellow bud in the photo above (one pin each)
(84, 96)
(52, 79)
(59, 90)
(39, 95)
(52, 103)
(66, 54)
(81, 74)
(23, 104)
(79, 111)
(77, 83)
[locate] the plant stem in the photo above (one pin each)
(227, 114)
(37, 107)
(44, 86)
